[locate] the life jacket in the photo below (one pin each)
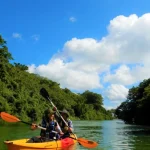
(51, 126)
(48, 134)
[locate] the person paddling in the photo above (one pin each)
(53, 130)
(66, 129)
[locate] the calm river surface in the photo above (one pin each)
(110, 135)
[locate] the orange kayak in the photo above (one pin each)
(50, 145)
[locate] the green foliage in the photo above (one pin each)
(93, 98)
(136, 108)
(20, 66)
(5, 56)
(19, 94)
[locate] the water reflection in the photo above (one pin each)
(90, 130)
(115, 135)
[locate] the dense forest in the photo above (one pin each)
(137, 106)
(20, 93)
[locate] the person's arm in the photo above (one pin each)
(70, 125)
(35, 126)
(69, 128)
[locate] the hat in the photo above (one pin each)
(64, 111)
(48, 111)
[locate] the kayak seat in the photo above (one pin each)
(38, 140)
(34, 140)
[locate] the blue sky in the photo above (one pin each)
(97, 45)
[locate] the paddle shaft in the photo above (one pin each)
(37, 126)
(32, 124)
(45, 94)
(57, 111)
(10, 118)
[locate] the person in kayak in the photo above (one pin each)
(53, 130)
(66, 129)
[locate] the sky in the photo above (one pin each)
(98, 45)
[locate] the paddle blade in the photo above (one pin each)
(44, 93)
(9, 118)
(87, 143)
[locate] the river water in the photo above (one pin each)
(110, 135)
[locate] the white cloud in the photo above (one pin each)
(67, 76)
(72, 19)
(81, 62)
(17, 35)
(141, 72)
(128, 75)
(116, 93)
(122, 76)
(36, 37)
(131, 36)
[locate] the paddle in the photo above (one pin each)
(84, 142)
(45, 94)
(10, 118)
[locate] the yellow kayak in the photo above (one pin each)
(50, 145)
